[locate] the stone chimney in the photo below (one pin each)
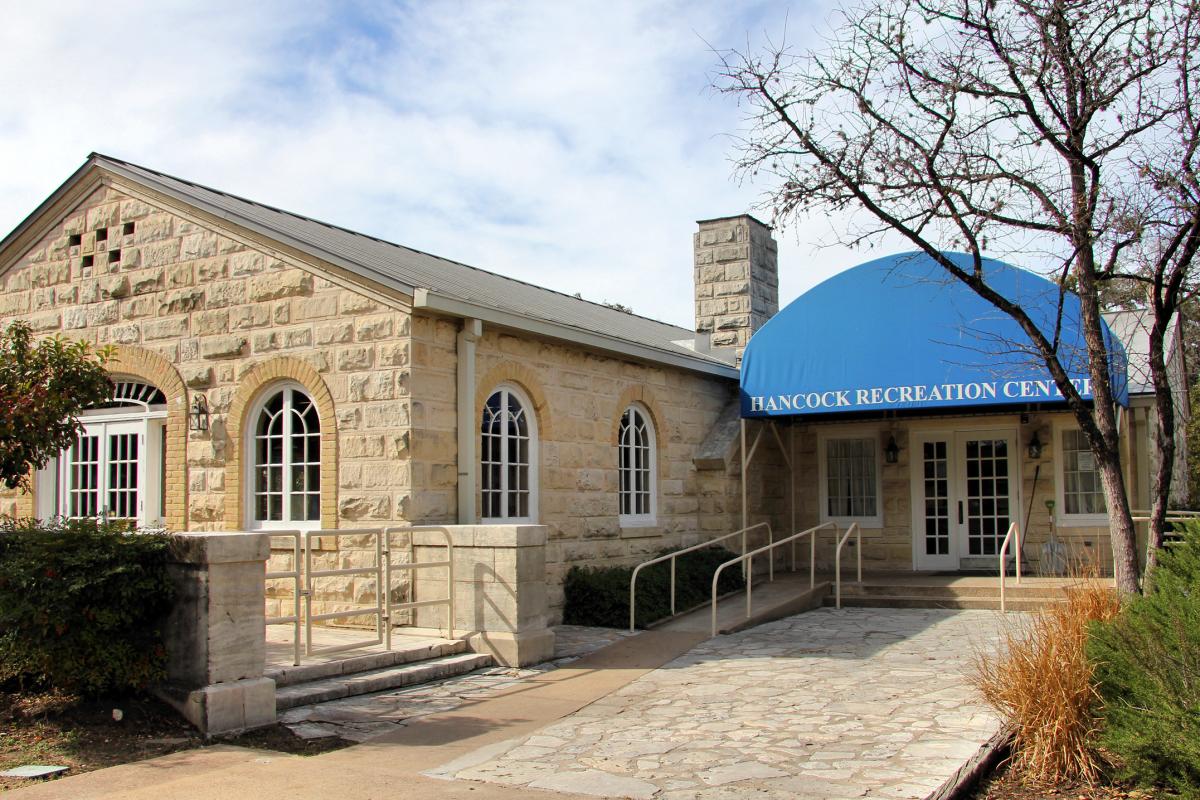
(736, 278)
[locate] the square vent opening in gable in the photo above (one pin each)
(102, 235)
(88, 261)
(75, 239)
(127, 229)
(114, 256)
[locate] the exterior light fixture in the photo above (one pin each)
(198, 416)
(891, 453)
(1035, 447)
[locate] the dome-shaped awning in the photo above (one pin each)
(901, 333)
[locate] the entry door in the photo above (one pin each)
(963, 496)
(102, 471)
(987, 492)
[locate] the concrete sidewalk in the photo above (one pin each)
(381, 767)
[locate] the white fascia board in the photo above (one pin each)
(423, 298)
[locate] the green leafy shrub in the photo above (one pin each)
(1148, 670)
(82, 605)
(600, 595)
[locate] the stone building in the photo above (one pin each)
(275, 372)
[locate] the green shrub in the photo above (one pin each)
(82, 606)
(600, 595)
(1148, 670)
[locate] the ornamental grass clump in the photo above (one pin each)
(1148, 672)
(1042, 684)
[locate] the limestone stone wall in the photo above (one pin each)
(212, 311)
(578, 399)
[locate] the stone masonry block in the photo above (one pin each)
(282, 283)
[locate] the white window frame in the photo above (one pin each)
(1062, 518)
(53, 481)
(249, 456)
(824, 436)
(650, 518)
(531, 428)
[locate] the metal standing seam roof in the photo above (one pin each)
(405, 269)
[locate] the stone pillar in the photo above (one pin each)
(736, 279)
(500, 598)
(215, 635)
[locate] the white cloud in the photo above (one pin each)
(568, 144)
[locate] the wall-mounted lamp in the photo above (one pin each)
(198, 416)
(1035, 447)
(891, 453)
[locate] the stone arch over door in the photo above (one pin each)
(256, 381)
(154, 369)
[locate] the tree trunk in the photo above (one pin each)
(1124, 538)
(1164, 439)
(1103, 436)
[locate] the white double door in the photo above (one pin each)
(965, 495)
(106, 472)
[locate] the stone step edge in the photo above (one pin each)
(964, 603)
(382, 680)
(855, 590)
(366, 662)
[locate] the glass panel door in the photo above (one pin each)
(986, 492)
(102, 471)
(934, 532)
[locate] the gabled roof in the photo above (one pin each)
(435, 283)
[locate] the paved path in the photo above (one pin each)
(829, 704)
(365, 717)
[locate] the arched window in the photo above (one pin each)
(114, 469)
(285, 460)
(508, 485)
(636, 458)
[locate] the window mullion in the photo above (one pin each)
(285, 511)
(505, 415)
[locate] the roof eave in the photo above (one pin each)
(452, 306)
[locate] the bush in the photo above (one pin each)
(82, 605)
(1148, 670)
(1041, 683)
(600, 595)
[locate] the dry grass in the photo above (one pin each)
(1041, 683)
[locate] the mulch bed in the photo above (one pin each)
(54, 729)
(1004, 784)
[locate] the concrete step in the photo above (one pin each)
(953, 592)
(918, 601)
(401, 653)
(379, 680)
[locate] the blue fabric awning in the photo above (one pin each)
(900, 333)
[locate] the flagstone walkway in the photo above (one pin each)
(829, 704)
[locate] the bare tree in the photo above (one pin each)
(1062, 131)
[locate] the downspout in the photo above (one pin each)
(468, 336)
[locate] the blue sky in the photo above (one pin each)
(570, 144)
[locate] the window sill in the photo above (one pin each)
(637, 522)
(866, 523)
(1082, 521)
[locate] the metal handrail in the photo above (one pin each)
(837, 558)
(744, 532)
(1008, 537)
(386, 590)
(297, 595)
(310, 574)
(749, 559)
